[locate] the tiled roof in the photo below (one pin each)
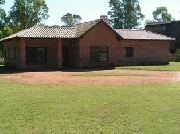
(79, 30)
(141, 35)
(82, 28)
(157, 23)
(55, 32)
(45, 32)
(49, 32)
(162, 23)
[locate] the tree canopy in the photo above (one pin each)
(161, 15)
(2, 18)
(2, 1)
(3, 23)
(69, 19)
(27, 13)
(6, 31)
(125, 14)
(2, 15)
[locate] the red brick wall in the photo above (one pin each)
(19, 61)
(73, 51)
(11, 53)
(99, 36)
(52, 52)
(145, 52)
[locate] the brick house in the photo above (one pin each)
(170, 29)
(88, 44)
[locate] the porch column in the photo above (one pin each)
(22, 54)
(59, 53)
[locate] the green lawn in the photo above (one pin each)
(173, 66)
(148, 109)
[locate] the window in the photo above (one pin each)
(98, 54)
(129, 51)
(35, 55)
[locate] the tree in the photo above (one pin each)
(6, 31)
(3, 19)
(2, 15)
(161, 15)
(115, 14)
(125, 14)
(69, 19)
(27, 13)
(2, 1)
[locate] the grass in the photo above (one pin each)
(107, 74)
(93, 109)
(173, 66)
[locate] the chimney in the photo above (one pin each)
(104, 18)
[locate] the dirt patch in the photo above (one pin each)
(62, 77)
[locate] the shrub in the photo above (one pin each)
(177, 55)
(1, 57)
(170, 57)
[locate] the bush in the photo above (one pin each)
(176, 56)
(170, 57)
(1, 57)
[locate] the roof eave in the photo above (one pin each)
(151, 39)
(7, 39)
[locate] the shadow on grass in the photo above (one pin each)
(7, 70)
(87, 69)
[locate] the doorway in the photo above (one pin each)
(65, 56)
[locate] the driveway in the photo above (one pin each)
(78, 77)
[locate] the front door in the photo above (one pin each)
(65, 56)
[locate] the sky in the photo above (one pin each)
(92, 9)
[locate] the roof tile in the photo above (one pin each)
(80, 29)
(45, 32)
(141, 35)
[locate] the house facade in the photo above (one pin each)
(88, 44)
(170, 29)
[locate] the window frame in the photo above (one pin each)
(100, 53)
(129, 52)
(35, 60)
